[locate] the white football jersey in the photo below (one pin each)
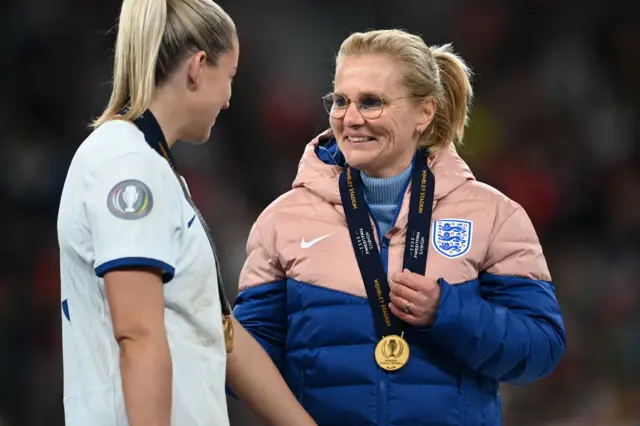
(122, 205)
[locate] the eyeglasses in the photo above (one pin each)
(370, 105)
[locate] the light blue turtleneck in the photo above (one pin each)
(384, 195)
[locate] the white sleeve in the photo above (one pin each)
(134, 215)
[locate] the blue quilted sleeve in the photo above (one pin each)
(512, 331)
(262, 311)
(509, 327)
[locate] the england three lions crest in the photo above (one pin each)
(452, 237)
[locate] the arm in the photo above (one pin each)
(513, 330)
(133, 220)
(262, 311)
(136, 302)
(257, 382)
(261, 308)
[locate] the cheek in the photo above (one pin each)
(225, 93)
(396, 127)
(214, 95)
(385, 127)
(335, 124)
(211, 103)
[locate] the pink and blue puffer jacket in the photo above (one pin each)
(305, 302)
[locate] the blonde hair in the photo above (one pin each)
(426, 71)
(153, 37)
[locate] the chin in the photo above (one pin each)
(200, 137)
(359, 160)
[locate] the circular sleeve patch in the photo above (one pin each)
(130, 199)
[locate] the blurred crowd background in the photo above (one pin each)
(555, 126)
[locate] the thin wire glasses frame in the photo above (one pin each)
(370, 105)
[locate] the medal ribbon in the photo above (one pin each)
(364, 245)
(149, 126)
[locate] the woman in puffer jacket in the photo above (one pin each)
(389, 286)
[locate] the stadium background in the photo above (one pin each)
(555, 127)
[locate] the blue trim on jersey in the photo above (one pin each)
(65, 310)
(168, 271)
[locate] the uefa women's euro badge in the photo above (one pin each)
(130, 199)
(130, 196)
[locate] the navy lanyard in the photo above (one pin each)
(149, 126)
(364, 245)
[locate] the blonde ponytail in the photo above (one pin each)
(140, 31)
(452, 112)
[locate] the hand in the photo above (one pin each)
(417, 294)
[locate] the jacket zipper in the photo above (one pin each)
(383, 375)
(383, 378)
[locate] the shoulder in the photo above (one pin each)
(484, 193)
(111, 142)
(293, 203)
(288, 217)
(496, 217)
(116, 154)
(483, 197)
(512, 243)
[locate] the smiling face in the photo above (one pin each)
(383, 146)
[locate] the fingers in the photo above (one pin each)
(405, 292)
(416, 282)
(402, 316)
(418, 291)
(409, 279)
(400, 302)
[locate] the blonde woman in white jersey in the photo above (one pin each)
(145, 319)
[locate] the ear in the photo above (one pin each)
(195, 67)
(427, 110)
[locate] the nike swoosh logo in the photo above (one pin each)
(306, 244)
(191, 221)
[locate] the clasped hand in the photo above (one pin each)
(414, 298)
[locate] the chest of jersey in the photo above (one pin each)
(194, 286)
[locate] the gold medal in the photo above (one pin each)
(227, 326)
(392, 352)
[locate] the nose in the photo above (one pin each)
(352, 116)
